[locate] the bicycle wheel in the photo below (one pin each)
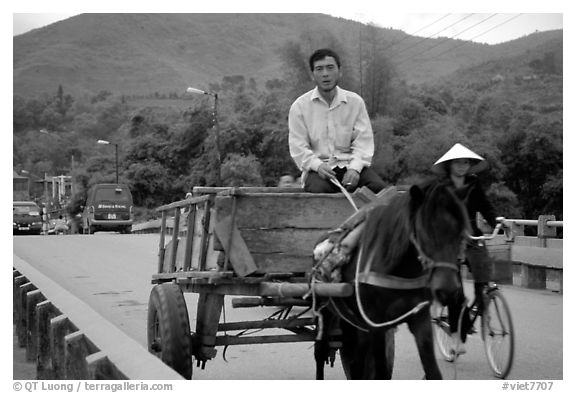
(498, 333)
(441, 329)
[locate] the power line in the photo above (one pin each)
(409, 35)
(446, 39)
(476, 36)
(432, 35)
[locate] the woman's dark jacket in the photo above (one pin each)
(475, 200)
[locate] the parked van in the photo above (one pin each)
(108, 208)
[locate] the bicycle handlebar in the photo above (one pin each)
(501, 221)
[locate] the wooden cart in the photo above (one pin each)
(253, 243)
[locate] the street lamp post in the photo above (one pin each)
(103, 142)
(193, 90)
(72, 188)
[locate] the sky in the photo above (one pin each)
(490, 24)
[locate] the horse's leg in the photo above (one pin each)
(325, 349)
(321, 347)
(421, 327)
(320, 354)
(382, 348)
(354, 351)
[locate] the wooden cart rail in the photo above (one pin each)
(225, 283)
(250, 230)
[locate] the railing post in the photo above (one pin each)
(515, 230)
(60, 326)
(77, 348)
(22, 314)
(545, 231)
(101, 368)
(32, 299)
(45, 311)
(16, 302)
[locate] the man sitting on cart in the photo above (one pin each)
(330, 135)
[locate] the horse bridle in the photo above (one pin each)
(428, 263)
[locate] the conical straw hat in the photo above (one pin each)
(460, 151)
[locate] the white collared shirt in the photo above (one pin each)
(339, 134)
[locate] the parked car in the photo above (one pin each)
(108, 208)
(27, 218)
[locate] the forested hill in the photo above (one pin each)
(150, 53)
(123, 77)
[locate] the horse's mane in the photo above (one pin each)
(385, 226)
(386, 236)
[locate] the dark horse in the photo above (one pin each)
(408, 255)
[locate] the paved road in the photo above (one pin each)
(112, 272)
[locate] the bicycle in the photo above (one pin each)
(496, 327)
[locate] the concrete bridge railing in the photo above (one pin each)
(530, 261)
(69, 340)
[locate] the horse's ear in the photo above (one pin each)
(417, 195)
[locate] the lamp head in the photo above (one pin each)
(193, 90)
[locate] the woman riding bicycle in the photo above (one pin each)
(459, 166)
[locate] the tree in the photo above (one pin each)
(239, 170)
(534, 164)
(376, 72)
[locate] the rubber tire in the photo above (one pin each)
(499, 314)
(442, 337)
(168, 321)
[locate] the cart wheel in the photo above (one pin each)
(169, 328)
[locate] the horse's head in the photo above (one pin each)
(439, 228)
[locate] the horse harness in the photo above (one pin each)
(367, 276)
(331, 258)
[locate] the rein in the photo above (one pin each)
(394, 282)
(365, 317)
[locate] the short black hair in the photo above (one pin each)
(321, 54)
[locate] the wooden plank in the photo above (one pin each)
(236, 249)
(183, 203)
(161, 256)
(207, 317)
(293, 241)
(193, 274)
(267, 324)
(206, 234)
(299, 210)
(282, 263)
(248, 340)
(190, 225)
(382, 198)
(245, 302)
(175, 241)
(284, 289)
(365, 194)
(246, 190)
